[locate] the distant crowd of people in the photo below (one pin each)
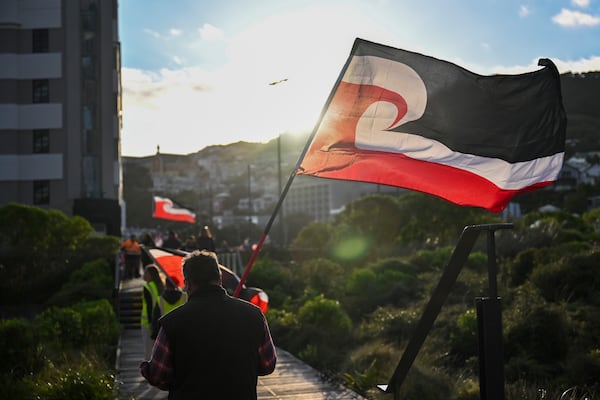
(133, 258)
(204, 241)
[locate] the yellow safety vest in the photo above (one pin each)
(166, 307)
(153, 289)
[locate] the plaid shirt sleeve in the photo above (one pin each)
(267, 356)
(159, 370)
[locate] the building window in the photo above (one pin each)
(41, 192)
(39, 41)
(41, 141)
(41, 92)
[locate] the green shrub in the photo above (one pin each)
(277, 280)
(391, 323)
(463, 338)
(18, 347)
(583, 368)
(95, 247)
(428, 260)
(78, 380)
(60, 327)
(521, 267)
(477, 261)
(386, 282)
(283, 324)
(97, 271)
(37, 249)
(467, 389)
(425, 383)
(90, 282)
(325, 329)
(362, 292)
(100, 328)
(92, 324)
(323, 276)
(572, 278)
(370, 364)
(541, 338)
(361, 382)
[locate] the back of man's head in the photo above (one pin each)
(201, 268)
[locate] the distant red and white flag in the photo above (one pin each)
(404, 119)
(165, 208)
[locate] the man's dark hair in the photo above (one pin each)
(201, 268)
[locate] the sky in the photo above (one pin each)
(197, 73)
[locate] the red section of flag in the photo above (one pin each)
(171, 265)
(391, 121)
(165, 208)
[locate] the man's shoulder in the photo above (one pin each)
(244, 305)
(174, 314)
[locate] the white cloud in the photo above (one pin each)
(579, 66)
(581, 3)
(152, 33)
(210, 32)
(173, 32)
(570, 18)
(575, 66)
(524, 11)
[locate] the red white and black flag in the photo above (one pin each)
(165, 208)
(403, 119)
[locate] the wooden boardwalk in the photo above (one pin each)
(292, 379)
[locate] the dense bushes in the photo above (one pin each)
(40, 248)
(91, 282)
(65, 353)
(18, 348)
(57, 267)
(547, 278)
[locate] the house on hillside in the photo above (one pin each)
(568, 178)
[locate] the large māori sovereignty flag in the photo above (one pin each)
(404, 119)
(165, 208)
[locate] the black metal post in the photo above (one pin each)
(491, 363)
(489, 328)
(488, 318)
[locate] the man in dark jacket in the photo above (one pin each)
(214, 346)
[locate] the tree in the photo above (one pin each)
(36, 248)
(432, 221)
(312, 241)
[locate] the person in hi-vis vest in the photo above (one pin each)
(150, 295)
(171, 298)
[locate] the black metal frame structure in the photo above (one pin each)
(489, 317)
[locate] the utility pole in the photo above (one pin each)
(249, 205)
(281, 215)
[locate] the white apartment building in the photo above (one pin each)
(323, 198)
(60, 107)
